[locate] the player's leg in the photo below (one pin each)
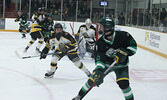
(73, 56)
(40, 41)
(33, 39)
(122, 76)
(22, 33)
(84, 90)
(95, 79)
(53, 65)
(82, 47)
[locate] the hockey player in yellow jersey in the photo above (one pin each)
(36, 32)
(64, 44)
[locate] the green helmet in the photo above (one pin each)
(107, 23)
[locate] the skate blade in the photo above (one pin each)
(48, 77)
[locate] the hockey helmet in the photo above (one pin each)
(88, 23)
(58, 25)
(41, 10)
(19, 12)
(108, 24)
(49, 16)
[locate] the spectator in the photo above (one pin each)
(121, 19)
(163, 15)
(147, 19)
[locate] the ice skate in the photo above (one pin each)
(23, 36)
(49, 74)
(77, 98)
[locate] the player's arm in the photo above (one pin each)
(45, 50)
(132, 45)
(71, 46)
(49, 44)
(17, 19)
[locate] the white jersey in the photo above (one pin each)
(90, 32)
(63, 38)
(35, 16)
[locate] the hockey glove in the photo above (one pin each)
(97, 77)
(121, 55)
(63, 48)
(44, 53)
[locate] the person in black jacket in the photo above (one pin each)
(113, 46)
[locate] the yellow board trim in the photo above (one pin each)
(153, 51)
(9, 30)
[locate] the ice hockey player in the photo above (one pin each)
(65, 44)
(23, 25)
(113, 45)
(36, 31)
(47, 26)
(86, 38)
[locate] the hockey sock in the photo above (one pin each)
(53, 65)
(40, 43)
(79, 64)
(128, 93)
(30, 43)
(85, 88)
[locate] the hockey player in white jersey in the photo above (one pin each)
(64, 45)
(86, 38)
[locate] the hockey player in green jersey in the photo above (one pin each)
(23, 28)
(112, 46)
(47, 26)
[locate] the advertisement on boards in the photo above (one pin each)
(152, 39)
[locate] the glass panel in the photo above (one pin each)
(147, 14)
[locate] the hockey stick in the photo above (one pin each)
(71, 29)
(105, 73)
(32, 56)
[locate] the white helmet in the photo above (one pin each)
(88, 23)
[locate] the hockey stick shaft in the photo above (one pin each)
(35, 56)
(105, 73)
(25, 57)
(72, 29)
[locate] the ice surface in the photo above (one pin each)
(23, 79)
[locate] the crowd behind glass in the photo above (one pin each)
(154, 19)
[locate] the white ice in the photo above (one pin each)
(23, 79)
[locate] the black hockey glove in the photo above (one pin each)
(63, 48)
(121, 55)
(44, 53)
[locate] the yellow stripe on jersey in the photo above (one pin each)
(35, 27)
